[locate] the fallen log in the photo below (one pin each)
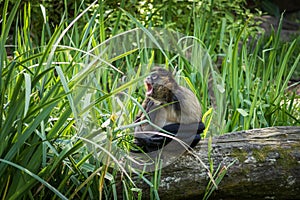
(266, 166)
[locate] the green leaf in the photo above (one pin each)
(34, 176)
(27, 92)
(242, 112)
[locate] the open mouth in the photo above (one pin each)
(149, 88)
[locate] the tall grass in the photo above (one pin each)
(42, 103)
(251, 84)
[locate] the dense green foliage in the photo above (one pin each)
(41, 153)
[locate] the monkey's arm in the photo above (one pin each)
(146, 106)
(156, 114)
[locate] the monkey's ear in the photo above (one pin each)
(172, 72)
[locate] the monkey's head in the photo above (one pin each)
(160, 85)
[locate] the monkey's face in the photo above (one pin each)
(160, 84)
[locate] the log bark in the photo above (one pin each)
(266, 166)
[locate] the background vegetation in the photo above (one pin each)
(44, 47)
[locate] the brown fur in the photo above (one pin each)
(168, 103)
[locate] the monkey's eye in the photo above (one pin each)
(154, 76)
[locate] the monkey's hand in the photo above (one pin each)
(147, 105)
(155, 142)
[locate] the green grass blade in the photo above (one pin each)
(35, 177)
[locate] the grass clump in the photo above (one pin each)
(57, 89)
